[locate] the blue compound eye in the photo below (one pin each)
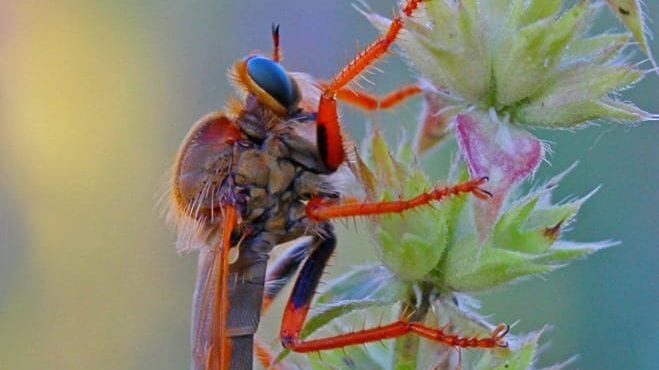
(273, 79)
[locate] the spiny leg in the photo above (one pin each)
(323, 209)
(279, 273)
(372, 52)
(369, 102)
(282, 270)
(266, 357)
(298, 307)
(329, 137)
(304, 289)
(395, 330)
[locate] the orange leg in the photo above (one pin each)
(329, 137)
(366, 101)
(397, 329)
(263, 353)
(298, 307)
(279, 273)
(266, 357)
(323, 209)
(282, 270)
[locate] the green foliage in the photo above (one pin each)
(493, 68)
(526, 58)
(437, 250)
(441, 244)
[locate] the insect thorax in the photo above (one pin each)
(274, 171)
(263, 164)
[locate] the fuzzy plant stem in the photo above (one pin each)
(406, 347)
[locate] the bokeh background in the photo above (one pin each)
(95, 97)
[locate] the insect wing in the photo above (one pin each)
(201, 168)
(205, 219)
(211, 345)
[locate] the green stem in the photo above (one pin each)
(406, 347)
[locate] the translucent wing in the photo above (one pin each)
(211, 344)
(199, 176)
(201, 208)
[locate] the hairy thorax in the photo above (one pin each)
(267, 170)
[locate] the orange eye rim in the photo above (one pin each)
(243, 78)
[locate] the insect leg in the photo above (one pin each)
(304, 289)
(394, 330)
(322, 209)
(298, 307)
(283, 268)
(279, 273)
(329, 137)
(369, 102)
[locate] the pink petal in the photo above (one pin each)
(506, 154)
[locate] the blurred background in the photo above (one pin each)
(95, 97)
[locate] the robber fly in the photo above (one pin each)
(256, 176)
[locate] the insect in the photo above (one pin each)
(258, 176)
